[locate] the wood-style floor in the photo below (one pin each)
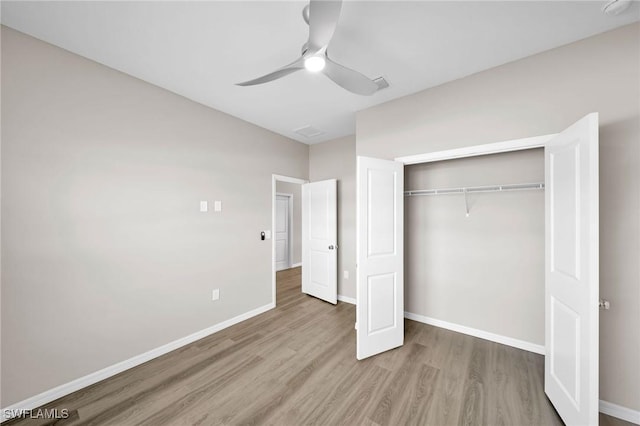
(296, 365)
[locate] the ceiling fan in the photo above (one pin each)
(322, 17)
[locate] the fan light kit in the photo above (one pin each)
(322, 17)
(314, 63)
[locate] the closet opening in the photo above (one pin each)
(474, 241)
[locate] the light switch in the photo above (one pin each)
(217, 206)
(346, 275)
(204, 206)
(267, 235)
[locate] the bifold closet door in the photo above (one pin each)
(380, 263)
(572, 286)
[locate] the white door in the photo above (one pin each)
(282, 232)
(319, 240)
(380, 263)
(571, 300)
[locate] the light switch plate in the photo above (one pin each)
(345, 274)
(215, 294)
(204, 206)
(217, 206)
(267, 235)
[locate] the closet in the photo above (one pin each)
(465, 248)
(474, 244)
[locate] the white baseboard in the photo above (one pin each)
(509, 341)
(620, 412)
(82, 382)
(346, 299)
(295, 265)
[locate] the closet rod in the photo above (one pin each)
(474, 189)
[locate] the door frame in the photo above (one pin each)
(289, 225)
(277, 178)
(474, 151)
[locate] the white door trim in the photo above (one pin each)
(473, 151)
(282, 178)
(289, 226)
(277, 178)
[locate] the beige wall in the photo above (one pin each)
(336, 159)
(539, 95)
(296, 225)
(464, 270)
(105, 252)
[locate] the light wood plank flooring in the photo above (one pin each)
(296, 365)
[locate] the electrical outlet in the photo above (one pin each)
(345, 274)
(215, 294)
(204, 206)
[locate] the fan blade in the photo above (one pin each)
(349, 79)
(323, 19)
(294, 66)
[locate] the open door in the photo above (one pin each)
(319, 240)
(380, 263)
(571, 299)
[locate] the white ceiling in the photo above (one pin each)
(200, 49)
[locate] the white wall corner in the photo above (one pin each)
(90, 379)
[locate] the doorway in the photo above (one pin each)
(286, 224)
(312, 243)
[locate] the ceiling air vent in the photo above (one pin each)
(381, 82)
(308, 132)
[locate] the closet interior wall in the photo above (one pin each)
(484, 271)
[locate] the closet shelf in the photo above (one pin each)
(475, 189)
